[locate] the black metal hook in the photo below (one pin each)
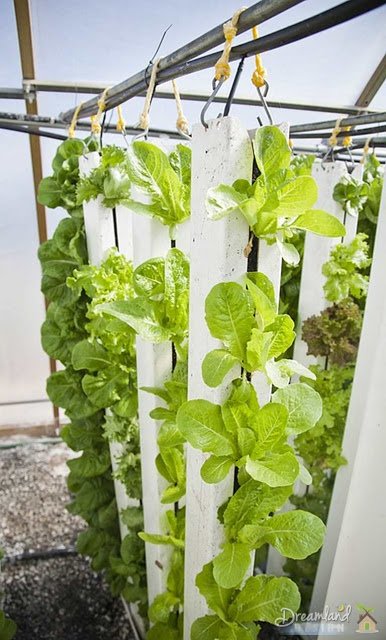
(262, 96)
(216, 84)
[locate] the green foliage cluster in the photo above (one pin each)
(161, 183)
(343, 270)
(159, 310)
(351, 194)
(99, 373)
(321, 450)
(8, 627)
(164, 181)
(59, 190)
(240, 434)
(362, 198)
(159, 313)
(171, 460)
(165, 612)
(109, 179)
(334, 333)
(280, 201)
(290, 273)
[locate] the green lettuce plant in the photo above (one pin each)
(165, 612)
(351, 194)
(240, 434)
(163, 181)
(368, 215)
(59, 190)
(171, 459)
(279, 202)
(159, 310)
(99, 373)
(343, 270)
(109, 179)
(335, 334)
(159, 313)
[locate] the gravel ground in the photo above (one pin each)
(51, 599)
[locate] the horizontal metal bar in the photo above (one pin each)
(357, 132)
(11, 93)
(33, 124)
(367, 118)
(136, 84)
(191, 96)
(22, 120)
(356, 150)
(256, 14)
(32, 131)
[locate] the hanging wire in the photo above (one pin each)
(235, 82)
(102, 128)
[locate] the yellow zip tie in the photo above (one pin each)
(182, 123)
(366, 150)
(222, 67)
(72, 127)
(95, 126)
(258, 76)
(347, 140)
(121, 124)
(144, 120)
(333, 140)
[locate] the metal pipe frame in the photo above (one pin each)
(343, 134)
(368, 118)
(169, 69)
(256, 14)
(31, 87)
(296, 131)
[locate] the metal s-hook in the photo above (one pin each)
(262, 97)
(350, 169)
(216, 85)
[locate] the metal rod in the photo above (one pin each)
(136, 84)
(256, 14)
(321, 148)
(373, 85)
(30, 122)
(11, 93)
(360, 132)
(48, 86)
(33, 129)
(366, 118)
(296, 131)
